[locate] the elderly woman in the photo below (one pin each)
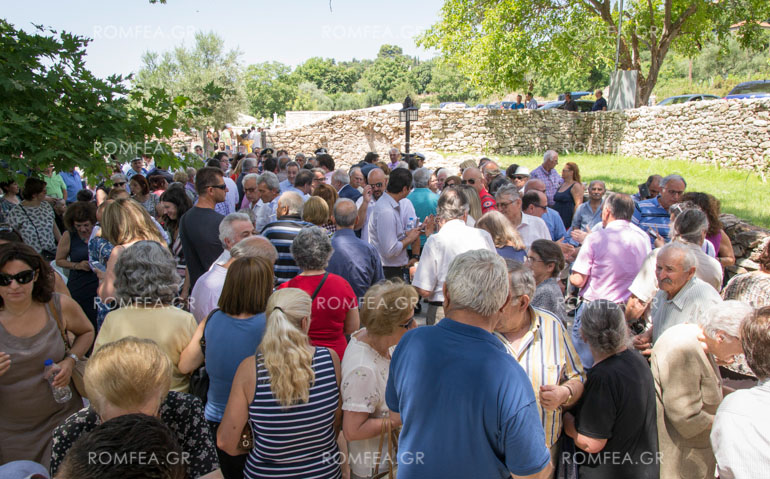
(616, 417)
(387, 312)
(541, 345)
(34, 219)
(287, 393)
(29, 334)
(146, 287)
(507, 241)
(546, 261)
(315, 211)
(132, 376)
(752, 288)
(229, 335)
(688, 386)
(335, 306)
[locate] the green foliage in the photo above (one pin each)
(55, 111)
(310, 97)
(270, 88)
(448, 84)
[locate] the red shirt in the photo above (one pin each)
(330, 307)
(488, 203)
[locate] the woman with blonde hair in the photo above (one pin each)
(472, 196)
(132, 376)
(328, 194)
(123, 223)
(507, 240)
(570, 194)
(316, 211)
(288, 394)
(387, 312)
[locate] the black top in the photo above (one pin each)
(570, 105)
(619, 405)
(599, 104)
(564, 204)
(199, 230)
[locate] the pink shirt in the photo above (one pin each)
(611, 258)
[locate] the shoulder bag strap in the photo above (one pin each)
(54, 305)
(203, 336)
(37, 235)
(318, 288)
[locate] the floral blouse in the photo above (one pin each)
(182, 413)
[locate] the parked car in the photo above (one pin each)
(750, 89)
(453, 105)
(495, 106)
(673, 100)
(583, 105)
(576, 95)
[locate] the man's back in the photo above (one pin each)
(355, 260)
(467, 407)
(281, 234)
(199, 230)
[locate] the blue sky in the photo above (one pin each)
(288, 31)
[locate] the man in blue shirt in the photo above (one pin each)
(600, 104)
(518, 105)
(652, 215)
(341, 183)
(467, 407)
(355, 260)
(422, 198)
(74, 184)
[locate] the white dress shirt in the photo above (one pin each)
(264, 213)
(532, 228)
(206, 292)
(406, 209)
(386, 230)
(454, 238)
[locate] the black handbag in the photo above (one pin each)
(199, 379)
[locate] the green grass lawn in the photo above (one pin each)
(741, 193)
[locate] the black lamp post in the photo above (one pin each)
(407, 115)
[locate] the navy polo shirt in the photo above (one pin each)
(467, 406)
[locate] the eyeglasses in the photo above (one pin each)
(504, 203)
(22, 278)
(470, 181)
(249, 190)
(408, 324)
(519, 177)
(221, 187)
(121, 183)
(377, 185)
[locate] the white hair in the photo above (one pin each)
(478, 281)
(270, 180)
(422, 177)
(726, 316)
(226, 226)
(293, 201)
(689, 260)
(251, 176)
(341, 176)
(443, 170)
(549, 155)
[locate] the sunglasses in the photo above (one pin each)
(120, 183)
(378, 185)
(408, 324)
(221, 187)
(469, 182)
(520, 177)
(22, 278)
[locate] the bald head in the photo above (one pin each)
(345, 213)
(255, 247)
(376, 179)
(534, 185)
(473, 177)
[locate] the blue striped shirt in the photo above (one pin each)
(651, 217)
(281, 233)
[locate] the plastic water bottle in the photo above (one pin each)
(410, 224)
(60, 395)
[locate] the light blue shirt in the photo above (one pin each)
(555, 224)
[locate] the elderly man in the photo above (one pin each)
(453, 237)
(231, 193)
(441, 177)
(472, 176)
(205, 295)
(319, 176)
(372, 192)
(355, 260)
(395, 156)
(292, 170)
(588, 214)
(268, 189)
(530, 227)
(387, 231)
(303, 184)
(600, 104)
(549, 215)
(652, 215)
(251, 198)
(357, 180)
(608, 262)
(485, 397)
(422, 198)
(548, 175)
(341, 183)
(682, 296)
(136, 168)
(649, 189)
(282, 232)
(248, 166)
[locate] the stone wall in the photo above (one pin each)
(734, 133)
(748, 241)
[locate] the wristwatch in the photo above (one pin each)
(570, 394)
(77, 359)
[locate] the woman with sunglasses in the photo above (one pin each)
(387, 312)
(29, 335)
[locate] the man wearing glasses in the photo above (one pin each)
(530, 227)
(199, 227)
(473, 177)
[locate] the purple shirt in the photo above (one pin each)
(552, 180)
(611, 258)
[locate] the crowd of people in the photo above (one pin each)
(258, 317)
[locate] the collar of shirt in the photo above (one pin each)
(451, 225)
(532, 335)
(678, 300)
(526, 220)
(470, 331)
(390, 200)
(344, 232)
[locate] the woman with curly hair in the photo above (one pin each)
(715, 234)
(141, 192)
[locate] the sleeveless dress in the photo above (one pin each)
(299, 441)
(564, 204)
(28, 412)
(82, 284)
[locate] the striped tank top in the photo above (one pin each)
(298, 441)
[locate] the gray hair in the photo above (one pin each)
(690, 224)
(226, 226)
(591, 184)
(318, 170)
(345, 219)
(477, 280)
(293, 201)
(341, 176)
(249, 164)
(509, 191)
(270, 180)
(668, 178)
(292, 163)
(522, 279)
(251, 176)
(603, 325)
(145, 274)
(443, 170)
(311, 248)
(255, 247)
(422, 177)
(621, 206)
(402, 164)
(451, 205)
(353, 170)
(725, 316)
(689, 260)
(549, 155)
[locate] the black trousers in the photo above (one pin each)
(392, 272)
(232, 466)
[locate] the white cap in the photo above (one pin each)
(522, 170)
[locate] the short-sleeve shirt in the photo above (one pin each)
(532, 228)
(199, 229)
(552, 180)
(330, 308)
(618, 404)
(651, 217)
(482, 421)
(599, 105)
(54, 186)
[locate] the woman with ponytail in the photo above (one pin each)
(288, 394)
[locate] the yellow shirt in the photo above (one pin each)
(169, 326)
